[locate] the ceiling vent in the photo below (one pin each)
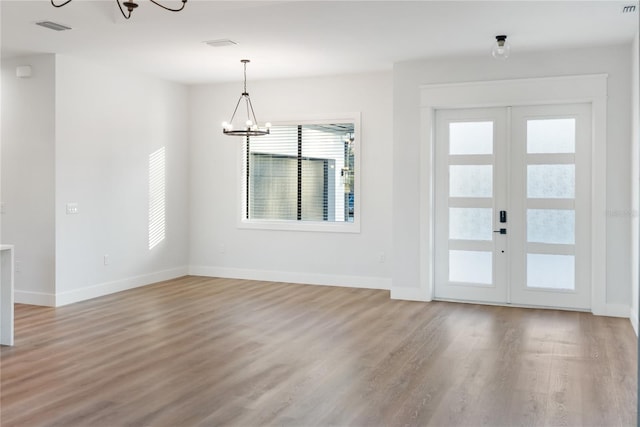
(629, 9)
(53, 26)
(221, 43)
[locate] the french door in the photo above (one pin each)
(512, 220)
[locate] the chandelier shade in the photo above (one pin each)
(130, 6)
(248, 126)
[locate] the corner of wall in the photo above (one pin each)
(635, 181)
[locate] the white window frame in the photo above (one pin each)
(296, 225)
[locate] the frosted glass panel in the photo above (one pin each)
(470, 267)
(471, 138)
(470, 223)
(551, 271)
(551, 181)
(551, 136)
(551, 226)
(470, 180)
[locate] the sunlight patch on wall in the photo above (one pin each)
(156, 197)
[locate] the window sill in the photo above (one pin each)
(313, 226)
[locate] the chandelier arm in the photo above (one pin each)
(121, 10)
(252, 113)
(184, 2)
(236, 109)
(60, 5)
(247, 102)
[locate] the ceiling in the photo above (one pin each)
(287, 39)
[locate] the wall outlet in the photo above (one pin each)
(2, 208)
(382, 257)
(17, 266)
(72, 208)
(222, 249)
(106, 260)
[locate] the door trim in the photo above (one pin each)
(590, 88)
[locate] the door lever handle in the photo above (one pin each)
(501, 231)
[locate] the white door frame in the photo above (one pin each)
(504, 93)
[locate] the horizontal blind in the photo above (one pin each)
(273, 174)
(301, 172)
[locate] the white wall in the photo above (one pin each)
(219, 248)
(108, 123)
(635, 181)
(27, 194)
(408, 76)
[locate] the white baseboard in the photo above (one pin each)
(409, 294)
(613, 310)
(633, 316)
(292, 277)
(34, 298)
(82, 294)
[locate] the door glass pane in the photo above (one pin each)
(551, 136)
(551, 271)
(471, 138)
(470, 180)
(551, 226)
(470, 223)
(470, 267)
(551, 181)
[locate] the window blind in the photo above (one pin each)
(301, 173)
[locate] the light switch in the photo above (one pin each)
(72, 208)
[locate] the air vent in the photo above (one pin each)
(629, 9)
(221, 43)
(53, 26)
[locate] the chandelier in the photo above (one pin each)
(130, 5)
(250, 126)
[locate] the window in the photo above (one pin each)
(302, 176)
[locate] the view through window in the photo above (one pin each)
(301, 173)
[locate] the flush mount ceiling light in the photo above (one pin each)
(248, 127)
(502, 48)
(130, 5)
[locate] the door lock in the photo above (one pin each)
(501, 231)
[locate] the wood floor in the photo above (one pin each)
(213, 352)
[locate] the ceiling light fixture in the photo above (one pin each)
(250, 126)
(502, 48)
(130, 5)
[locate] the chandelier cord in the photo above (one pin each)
(245, 77)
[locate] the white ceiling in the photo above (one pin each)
(303, 38)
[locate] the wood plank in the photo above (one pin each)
(202, 351)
